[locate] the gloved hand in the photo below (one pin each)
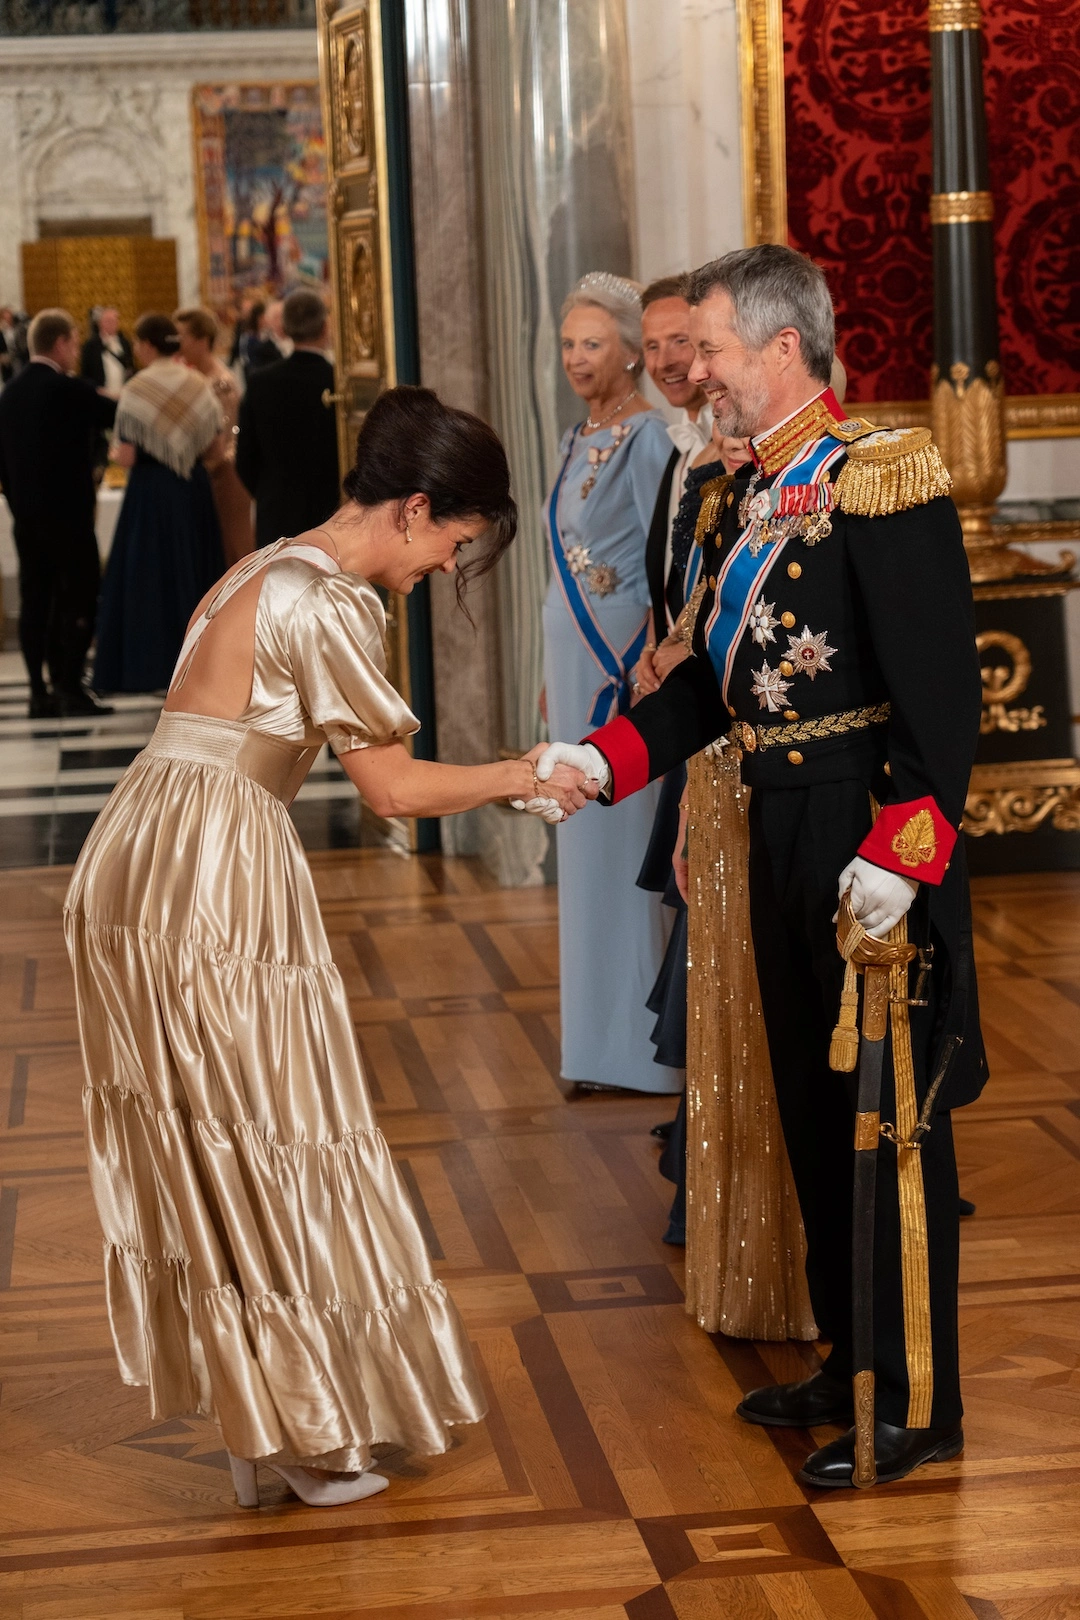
(878, 898)
(580, 756)
(547, 809)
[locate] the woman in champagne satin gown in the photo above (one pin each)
(263, 1262)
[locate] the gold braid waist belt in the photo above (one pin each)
(751, 738)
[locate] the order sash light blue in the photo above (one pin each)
(613, 696)
(744, 574)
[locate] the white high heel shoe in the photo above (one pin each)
(315, 1492)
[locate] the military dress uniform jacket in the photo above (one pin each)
(843, 651)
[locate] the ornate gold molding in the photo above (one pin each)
(764, 145)
(961, 207)
(1023, 796)
(764, 163)
(953, 16)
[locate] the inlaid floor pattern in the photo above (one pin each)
(611, 1478)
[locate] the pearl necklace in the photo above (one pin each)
(604, 419)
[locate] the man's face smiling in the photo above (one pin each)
(665, 340)
(733, 377)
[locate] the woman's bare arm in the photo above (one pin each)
(393, 783)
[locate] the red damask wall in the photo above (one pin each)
(857, 76)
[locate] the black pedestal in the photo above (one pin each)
(1023, 808)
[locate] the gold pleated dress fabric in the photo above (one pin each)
(745, 1250)
(262, 1259)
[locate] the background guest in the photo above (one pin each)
(49, 422)
(13, 349)
(263, 344)
(287, 454)
(167, 550)
(107, 359)
(611, 933)
(198, 331)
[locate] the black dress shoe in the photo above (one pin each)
(71, 705)
(663, 1130)
(966, 1208)
(42, 706)
(820, 1399)
(897, 1452)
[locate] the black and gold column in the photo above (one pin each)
(968, 395)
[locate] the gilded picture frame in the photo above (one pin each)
(764, 163)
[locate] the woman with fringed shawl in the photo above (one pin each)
(167, 551)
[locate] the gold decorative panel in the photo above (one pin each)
(136, 273)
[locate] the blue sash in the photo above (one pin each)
(613, 695)
(743, 575)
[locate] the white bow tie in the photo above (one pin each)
(689, 436)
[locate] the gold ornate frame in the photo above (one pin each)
(764, 163)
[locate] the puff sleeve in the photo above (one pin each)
(336, 647)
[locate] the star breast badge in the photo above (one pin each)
(762, 623)
(916, 842)
(769, 688)
(809, 653)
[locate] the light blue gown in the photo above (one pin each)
(611, 933)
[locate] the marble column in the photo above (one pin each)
(453, 361)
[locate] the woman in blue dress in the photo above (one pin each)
(611, 933)
(167, 550)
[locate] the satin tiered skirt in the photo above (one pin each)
(263, 1262)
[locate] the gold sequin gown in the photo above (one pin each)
(263, 1262)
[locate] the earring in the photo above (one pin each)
(408, 535)
(631, 365)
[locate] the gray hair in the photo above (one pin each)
(620, 297)
(770, 287)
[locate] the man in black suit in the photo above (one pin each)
(49, 422)
(107, 360)
(287, 450)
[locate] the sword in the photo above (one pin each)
(875, 958)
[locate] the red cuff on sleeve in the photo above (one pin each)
(913, 839)
(622, 746)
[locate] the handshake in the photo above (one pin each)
(565, 777)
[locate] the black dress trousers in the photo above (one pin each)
(800, 842)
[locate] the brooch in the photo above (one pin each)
(769, 688)
(810, 654)
(600, 578)
(599, 458)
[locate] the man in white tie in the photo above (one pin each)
(665, 333)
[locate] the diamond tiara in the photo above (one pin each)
(617, 286)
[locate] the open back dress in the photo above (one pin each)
(263, 1261)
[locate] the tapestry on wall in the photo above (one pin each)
(857, 90)
(261, 184)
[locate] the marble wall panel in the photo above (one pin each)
(100, 127)
(684, 106)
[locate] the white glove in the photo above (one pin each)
(547, 809)
(878, 898)
(582, 757)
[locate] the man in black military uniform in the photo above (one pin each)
(833, 643)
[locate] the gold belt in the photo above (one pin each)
(751, 738)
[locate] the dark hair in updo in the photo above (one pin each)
(413, 444)
(159, 331)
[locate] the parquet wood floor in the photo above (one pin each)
(611, 1479)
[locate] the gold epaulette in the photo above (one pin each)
(889, 470)
(712, 500)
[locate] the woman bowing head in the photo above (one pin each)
(263, 1261)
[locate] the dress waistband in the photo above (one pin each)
(275, 763)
